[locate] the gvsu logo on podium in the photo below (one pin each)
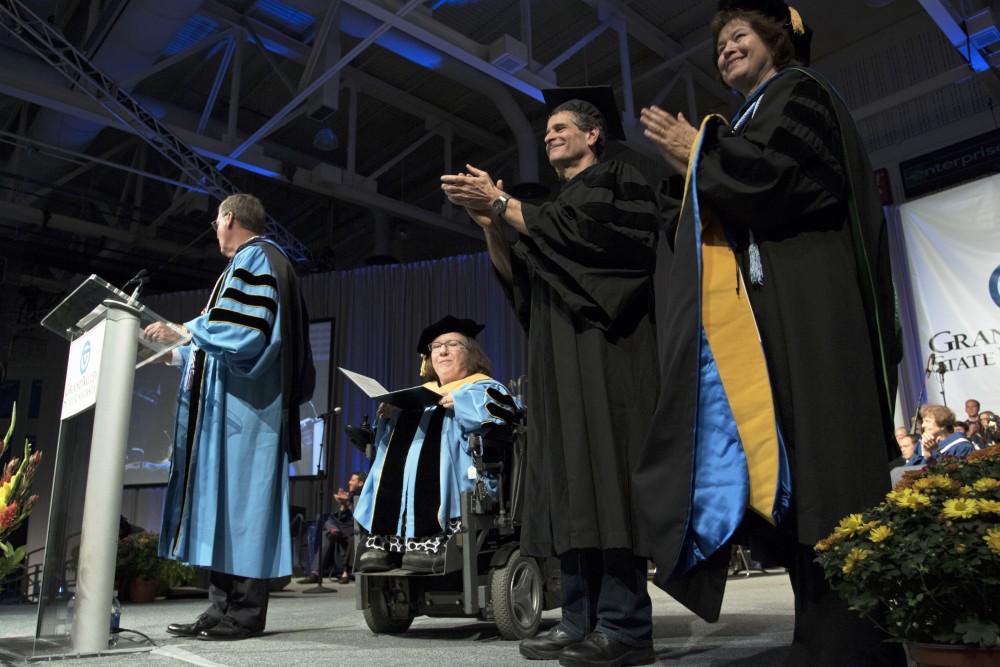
(995, 286)
(85, 357)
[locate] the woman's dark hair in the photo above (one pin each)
(476, 362)
(772, 32)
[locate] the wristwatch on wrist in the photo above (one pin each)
(499, 204)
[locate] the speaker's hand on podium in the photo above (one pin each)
(161, 332)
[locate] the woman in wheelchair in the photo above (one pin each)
(410, 505)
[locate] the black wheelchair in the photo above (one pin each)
(485, 575)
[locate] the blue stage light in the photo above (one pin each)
(196, 29)
(287, 15)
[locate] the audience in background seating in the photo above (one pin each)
(938, 437)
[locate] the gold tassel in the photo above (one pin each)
(424, 368)
(798, 27)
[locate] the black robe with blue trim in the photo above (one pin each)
(794, 174)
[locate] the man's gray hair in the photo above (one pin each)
(247, 210)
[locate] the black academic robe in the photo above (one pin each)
(298, 373)
(582, 281)
(794, 174)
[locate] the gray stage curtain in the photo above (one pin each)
(378, 314)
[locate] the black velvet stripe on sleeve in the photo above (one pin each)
(629, 198)
(256, 300)
(810, 136)
(241, 319)
(638, 215)
(259, 280)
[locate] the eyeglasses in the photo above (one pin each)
(452, 345)
(215, 223)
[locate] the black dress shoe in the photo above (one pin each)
(599, 650)
(204, 622)
(548, 645)
(228, 630)
(425, 562)
(377, 560)
(311, 579)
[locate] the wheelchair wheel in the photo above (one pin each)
(378, 615)
(517, 597)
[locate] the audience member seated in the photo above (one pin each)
(989, 428)
(972, 410)
(974, 434)
(908, 453)
(337, 544)
(938, 436)
(410, 506)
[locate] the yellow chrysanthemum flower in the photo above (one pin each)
(960, 508)
(879, 534)
(986, 484)
(850, 525)
(855, 556)
(934, 482)
(992, 538)
(966, 490)
(824, 545)
(988, 506)
(908, 499)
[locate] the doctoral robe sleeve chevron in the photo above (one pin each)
(241, 325)
(470, 405)
(784, 164)
(595, 244)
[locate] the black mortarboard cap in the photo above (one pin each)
(801, 34)
(602, 98)
(445, 325)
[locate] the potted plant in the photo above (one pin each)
(924, 564)
(16, 500)
(174, 574)
(138, 566)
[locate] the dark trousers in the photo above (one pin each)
(605, 591)
(242, 599)
(337, 552)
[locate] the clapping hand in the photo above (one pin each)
(474, 190)
(673, 136)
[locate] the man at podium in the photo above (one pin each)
(245, 372)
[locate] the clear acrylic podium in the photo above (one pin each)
(103, 325)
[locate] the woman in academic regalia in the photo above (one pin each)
(775, 315)
(410, 503)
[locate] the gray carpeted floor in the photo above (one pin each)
(327, 630)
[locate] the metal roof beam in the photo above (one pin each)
(653, 39)
(52, 47)
(524, 81)
(282, 115)
(369, 85)
(27, 215)
(953, 28)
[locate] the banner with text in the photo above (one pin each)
(953, 255)
(83, 371)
